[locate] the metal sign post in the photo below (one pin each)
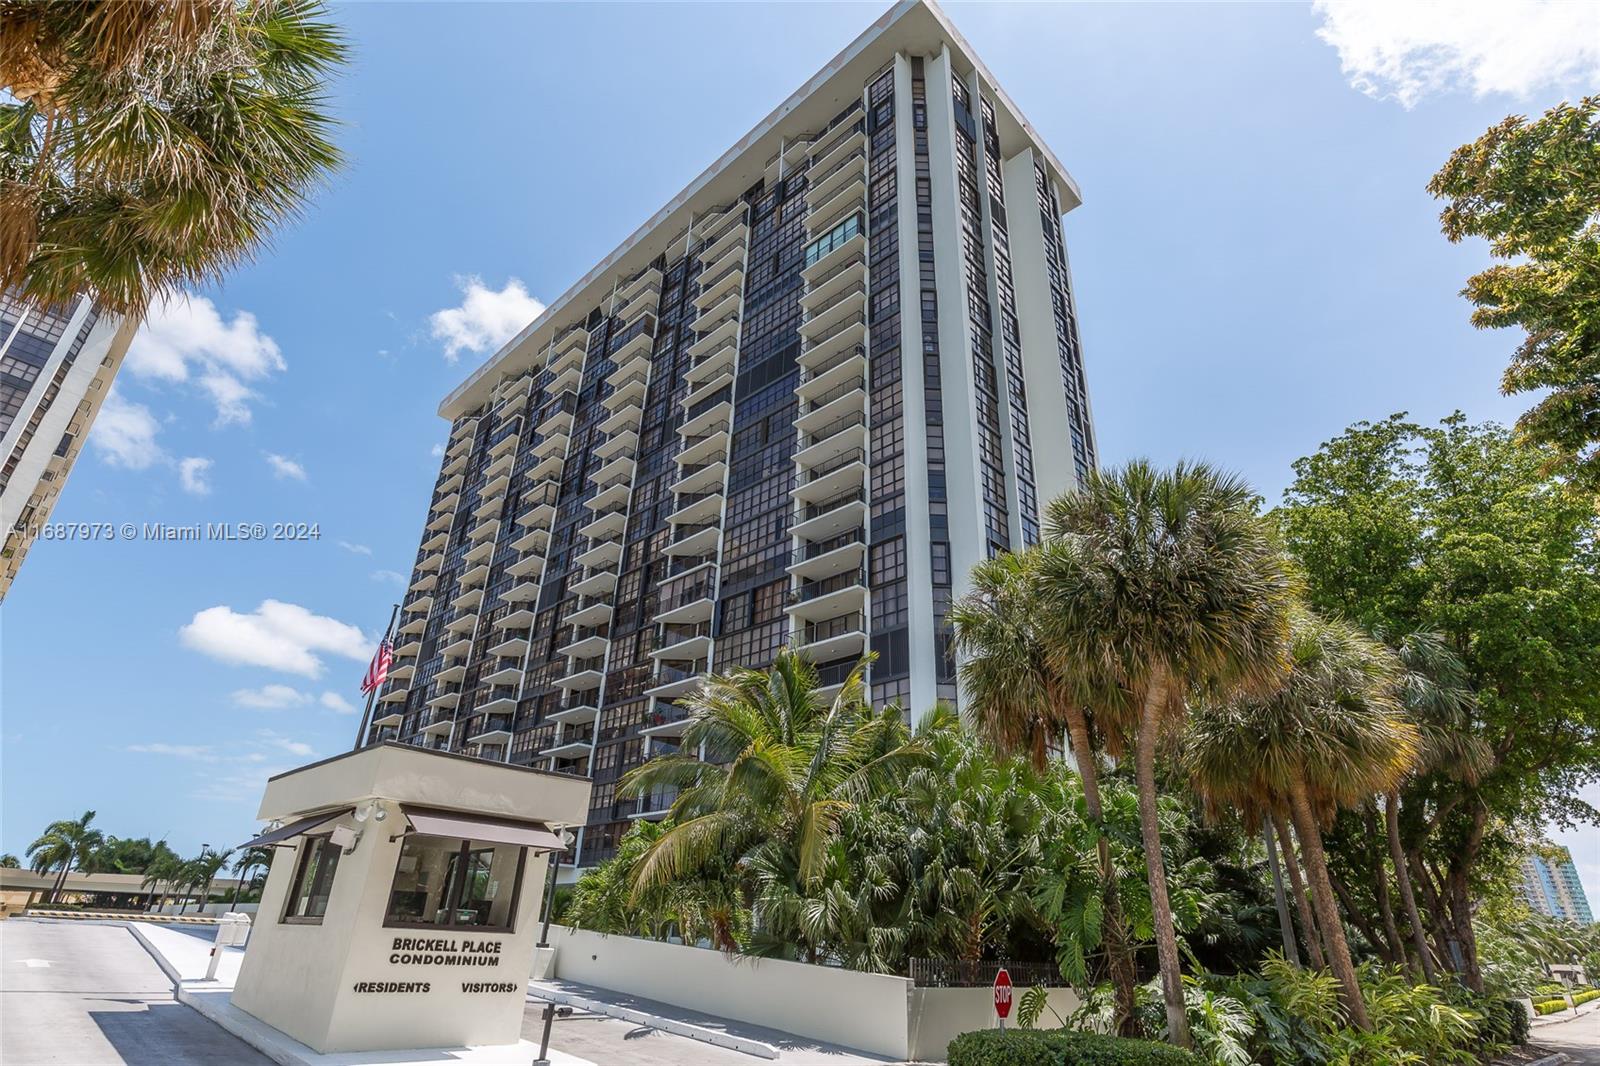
(1002, 996)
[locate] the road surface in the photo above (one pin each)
(89, 994)
(1579, 1038)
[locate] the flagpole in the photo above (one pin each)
(361, 733)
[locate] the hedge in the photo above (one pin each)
(1585, 996)
(1060, 1047)
(1504, 1021)
(1542, 1007)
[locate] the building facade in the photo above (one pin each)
(1551, 886)
(56, 366)
(794, 408)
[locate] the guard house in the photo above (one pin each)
(403, 903)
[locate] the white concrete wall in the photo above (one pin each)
(939, 1015)
(864, 1011)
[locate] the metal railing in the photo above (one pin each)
(833, 503)
(837, 626)
(968, 973)
(810, 590)
(822, 547)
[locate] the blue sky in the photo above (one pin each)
(1257, 265)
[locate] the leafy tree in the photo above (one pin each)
(780, 768)
(149, 146)
(1019, 701)
(1167, 582)
(9, 861)
(708, 906)
(1530, 189)
(63, 845)
(163, 872)
(1459, 531)
(127, 855)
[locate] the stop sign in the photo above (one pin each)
(1002, 994)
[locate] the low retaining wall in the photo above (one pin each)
(876, 1013)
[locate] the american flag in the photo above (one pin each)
(379, 670)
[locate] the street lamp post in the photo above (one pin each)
(544, 942)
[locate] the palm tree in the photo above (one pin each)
(145, 147)
(1437, 694)
(1019, 702)
(1169, 583)
(248, 860)
(9, 861)
(163, 870)
(1331, 736)
(201, 870)
(63, 845)
(779, 768)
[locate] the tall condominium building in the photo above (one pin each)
(56, 366)
(1551, 886)
(794, 408)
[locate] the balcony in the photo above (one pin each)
(402, 674)
(548, 468)
(823, 559)
(569, 378)
(647, 279)
(459, 648)
(832, 638)
(824, 153)
(730, 238)
(570, 749)
(564, 361)
(540, 504)
(698, 508)
(620, 467)
(480, 552)
(453, 467)
(600, 554)
(522, 592)
(467, 600)
(713, 335)
(587, 642)
(462, 622)
(852, 247)
(446, 504)
(583, 674)
(534, 540)
(692, 603)
(450, 699)
(500, 702)
(502, 465)
(552, 444)
(666, 720)
(643, 300)
(595, 583)
(589, 611)
(508, 672)
(673, 681)
(424, 583)
(607, 523)
(518, 619)
(702, 478)
(575, 712)
(494, 730)
(419, 605)
(623, 443)
(842, 405)
(830, 517)
(714, 366)
(635, 351)
(484, 530)
(713, 444)
(848, 435)
(826, 315)
(530, 564)
(388, 719)
(694, 540)
(505, 443)
(397, 692)
(716, 288)
(610, 492)
(828, 374)
(450, 675)
(513, 647)
(438, 725)
(842, 180)
(840, 594)
(409, 649)
(692, 642)
(556, 415)
(711, 412)
(832, 476)
(630, 415)
(656, 805)
(452, 482)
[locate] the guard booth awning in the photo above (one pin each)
(433, 822)
(294, 829)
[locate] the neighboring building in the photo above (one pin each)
(1551, 886)
(795, 407)
(56, 366)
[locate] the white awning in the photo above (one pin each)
(536, 835)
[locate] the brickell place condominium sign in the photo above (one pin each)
(401, 908)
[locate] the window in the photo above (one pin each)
(448, 881)
(313, 881)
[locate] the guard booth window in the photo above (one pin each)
(449, 881)
(313, 881)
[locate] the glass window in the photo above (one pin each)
(448, 881)
(313, 880)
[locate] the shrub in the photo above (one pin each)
(1060, 1047)
(1542, 1007)
(1503, 1022)
(1585, 996)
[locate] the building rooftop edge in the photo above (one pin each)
(466, 395)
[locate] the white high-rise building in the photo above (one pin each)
(793, 408)
(56, 366)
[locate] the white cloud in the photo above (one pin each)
(284, 467)
(437, 451)
(293, 747)
(124, 434)
(485, 319)
(276, 635)
(270, 697)
(337, 703)
(192, 475)
(392, 577)
(355, 549)
(177, 751)
(186, 340)
(1405, 51)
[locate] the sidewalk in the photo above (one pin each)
(1565, 1016)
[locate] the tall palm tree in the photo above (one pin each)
(1331, 736)
(1168, 582)
(249, 859)
(778, 766)
(67, 843)
(1436, 692)
(201, 870)
(1019, 701)
(149, 146)
(163, 872)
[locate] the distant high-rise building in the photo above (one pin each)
(794, 408)
(56, 366)
(1551, 886)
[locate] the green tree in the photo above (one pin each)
(9, 861)
(1329, 737)
(64, 845)
(1530, 189)
(778, 769)
(1457, 530)
(707, 906)
(1019, 701)
(1168, 583)
(163, 873)
(200, 871)
(146, 147)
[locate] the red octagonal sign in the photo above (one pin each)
(1002, 994)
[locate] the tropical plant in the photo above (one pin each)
(1529, 188)
(778, 767)
(163, 873)
(63, 845)
(9, 861)
(149, 146)
(1329, 737)
(199, 872)
(1168, 583)
(1018, 700)
(256, 858)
